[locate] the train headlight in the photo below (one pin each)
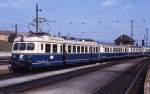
(14, 56)
(30, 56)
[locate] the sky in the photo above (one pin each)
(102, 20)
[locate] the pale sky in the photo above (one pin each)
(102, 20)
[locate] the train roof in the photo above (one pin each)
(50, 38)
(64, 39)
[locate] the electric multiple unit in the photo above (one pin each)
(30, 52)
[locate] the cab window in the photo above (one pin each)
(16, 46)
(30, 46)
(22, 46)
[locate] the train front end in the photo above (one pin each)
(24, 53)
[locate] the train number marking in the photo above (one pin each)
(21, 57)
(51, 57)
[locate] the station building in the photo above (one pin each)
(124, 40)
(7, 36)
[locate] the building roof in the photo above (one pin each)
(6, 32)
(124, 39)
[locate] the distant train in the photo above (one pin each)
(40, 51)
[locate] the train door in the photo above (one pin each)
(64, 54)
(91, 54)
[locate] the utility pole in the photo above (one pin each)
(131, 28)
(146, 36)
(37, 18)
(16, 29)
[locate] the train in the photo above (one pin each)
(43, 50)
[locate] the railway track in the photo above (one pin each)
(54, 79)
(128, 82)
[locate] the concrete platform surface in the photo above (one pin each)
(85, 84)
(4, 69)
(5, 54)
(22, 79)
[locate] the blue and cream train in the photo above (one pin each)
(42, 51)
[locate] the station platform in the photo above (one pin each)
(5, 58)
(147, 82)
(5, 54)
(4, 69)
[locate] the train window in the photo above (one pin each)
(47, 47)
(30, 46)
(61, 48)
(99, 49)
(22, 46)
(90, 49)
(74, 49)
(114, 49)
(96, 49)
(117, 49)
(110, 49)
(82, 49)
(85, 49)
(125, 49)
(78, 49)
(16, 46)
(69, 48)
(54, 48)
(105, 49)
(42, 46)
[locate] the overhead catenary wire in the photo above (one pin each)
(92, 8)
(130, 13)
